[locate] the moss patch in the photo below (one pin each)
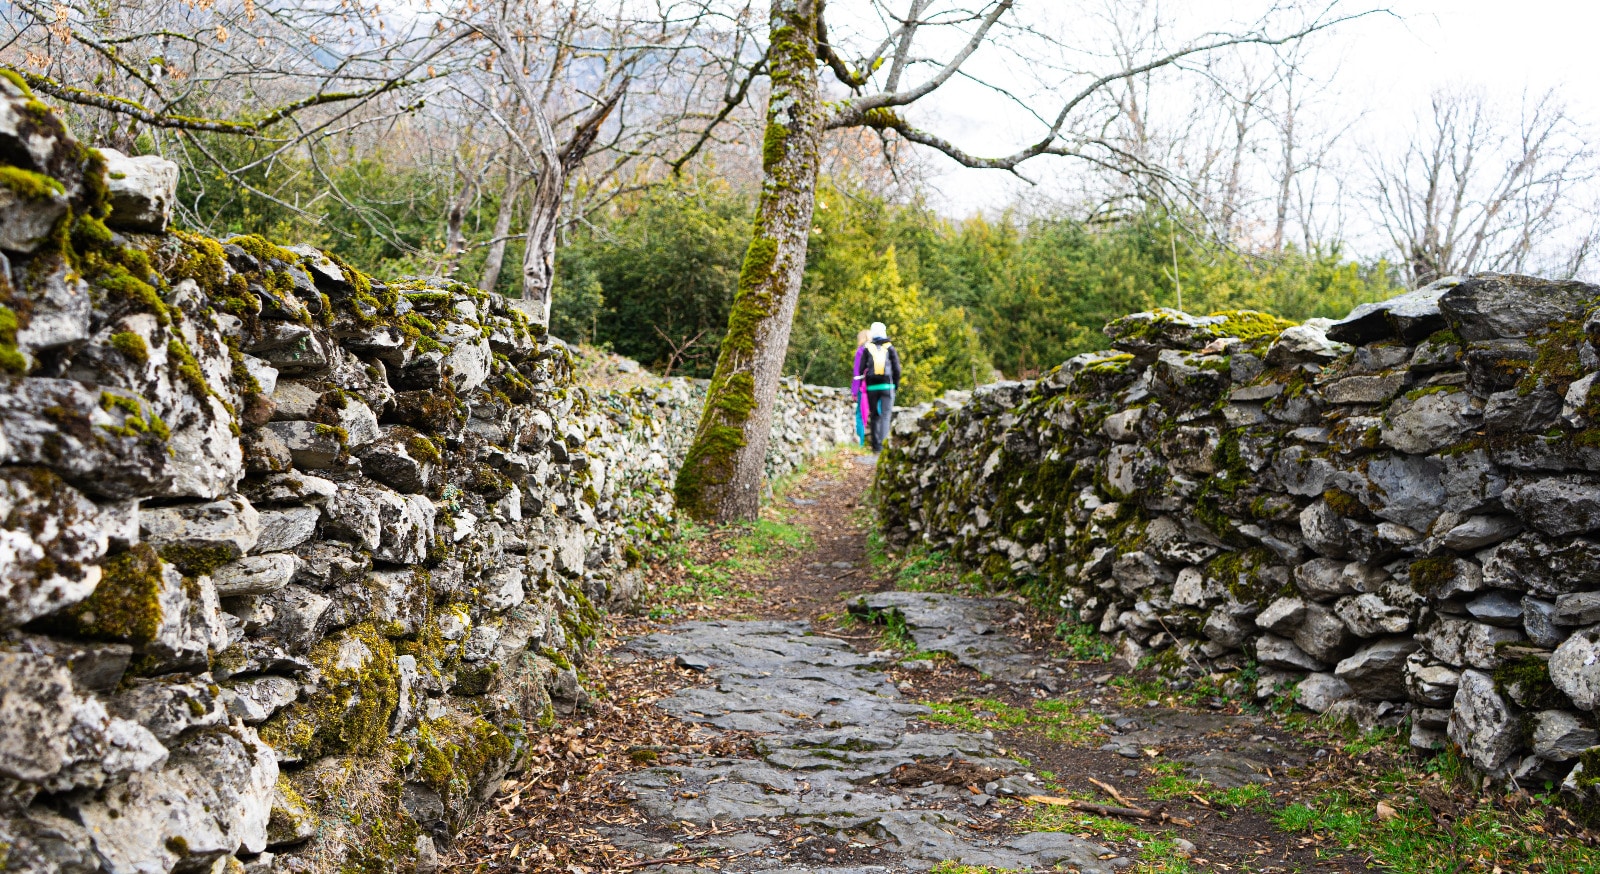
(361, 691)
(126, 605)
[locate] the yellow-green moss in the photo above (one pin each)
(16, 79)
(352, 713)
(11, 358)
(132, 346)
(455, 752)
(197, 561)
(1429, 575)
(422, 449)
(263, 249)
(1527, 680)
(126, 605)
(202, 260)
(1345, 504)
(1251, 324)
(28, 184)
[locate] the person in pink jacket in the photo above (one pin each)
(858, 387)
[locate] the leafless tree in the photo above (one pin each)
(631, 86)
(901, 54)
(1478, 188)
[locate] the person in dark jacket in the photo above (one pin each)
(880, 370)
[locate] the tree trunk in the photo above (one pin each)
(502, 227)
(455, 240)
(720, 480)
(544, 214)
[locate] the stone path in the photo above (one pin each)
(798, 751)
(831, 729)
(972, 630)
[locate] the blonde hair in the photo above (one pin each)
(862, 336)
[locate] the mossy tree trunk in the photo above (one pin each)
(720, 480)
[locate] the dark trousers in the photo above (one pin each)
(880, 407)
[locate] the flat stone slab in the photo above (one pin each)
(829, 725)
(968, 629)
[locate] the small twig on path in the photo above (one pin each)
(1091, 807)
(671, 860)
(1112, 791)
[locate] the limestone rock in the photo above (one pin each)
(1575, 668)
(36, 705)
(28, 217)
(142, 190)
(286, 529)
(1530, 563)
(1556, 506)
(255, 574)
(468, 364)
(1578, 608)
(1476, 532)
(1539, 622)
(1433, 421)
(59, 310)
(1319, 692)
(1368, 615)
(1463, 643)
(1307, 342)
(168, 707)
(1377, 670)
(1322, 635)
(221, 530)
(1364, 389)
(1496, 608)
(1405, 490)
(1148, 333)
(1514, 410)
(1430, 684)
(290, 821)
(1322, 579)
(1483, 723)
(1282, 616)
(296, 487)
(1277, 652)
(61, 424)
(1560, 736)
(298, 617)
(1490, 306)
(1408, 317)
(50, 535)
(359, 423)
(38, 841)
(1324, 530)
(312, 445)
(255, 700)
(211, 799)
(402, 459)
(1224, 629)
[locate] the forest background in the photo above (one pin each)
(652, 274)
(1218, 185)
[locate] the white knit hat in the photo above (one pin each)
(878, 331)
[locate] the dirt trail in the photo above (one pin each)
(774, 734)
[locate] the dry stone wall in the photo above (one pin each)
(1396, 514)
(294, 563)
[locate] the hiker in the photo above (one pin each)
(880, 369)
(858, 386)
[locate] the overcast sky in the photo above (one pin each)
(1384, 68)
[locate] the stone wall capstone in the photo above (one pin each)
(295, 564)
(1397, 515)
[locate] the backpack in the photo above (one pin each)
(880, 357)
